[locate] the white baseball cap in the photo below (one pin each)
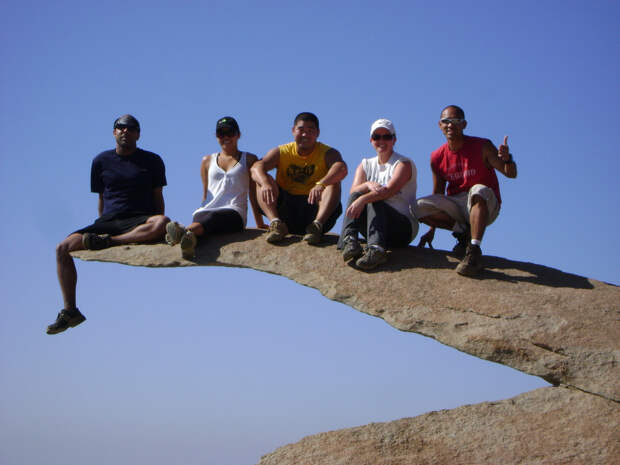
(383, 123)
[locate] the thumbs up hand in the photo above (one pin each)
(504, 153)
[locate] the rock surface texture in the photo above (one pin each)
(542, 321)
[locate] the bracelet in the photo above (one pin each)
(319, 183)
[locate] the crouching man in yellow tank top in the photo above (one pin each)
(305, 196)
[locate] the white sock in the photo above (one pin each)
(475, 242)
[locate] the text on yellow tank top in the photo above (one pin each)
(297, 174)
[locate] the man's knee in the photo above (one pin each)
(69, 244)
(158, 222)
(478, 199)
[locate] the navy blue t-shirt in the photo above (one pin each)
(127, 181)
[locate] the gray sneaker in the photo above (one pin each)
(188, 245)
(174, 233)
(92, 241)
(352, 249)
(372, 258)
(471, 264)
(314, 232)
(277, 231)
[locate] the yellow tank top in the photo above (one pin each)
(297, 174)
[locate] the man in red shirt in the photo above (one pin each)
(464, 169)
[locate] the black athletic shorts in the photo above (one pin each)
(116, 223)
(297, 213)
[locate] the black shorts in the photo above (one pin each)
(297, 213)
(220, 221)
(116, 223)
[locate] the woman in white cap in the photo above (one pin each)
(226, 187)
(383, 189)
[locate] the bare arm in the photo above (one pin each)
(258, 217)
(100, 204)
(402, 174)
(266, 183)
(158, 200)
(500, 159)
(336, 172)
(439, 187)
(204, 175)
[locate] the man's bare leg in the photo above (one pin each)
(153, 230)
(438, 220)
(65, 268)
(330, 198)
(478, 217)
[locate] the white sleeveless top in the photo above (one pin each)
(382, 173)
(228, 189)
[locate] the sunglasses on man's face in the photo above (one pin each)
(452, 120)
(120, 127)
(382, 136)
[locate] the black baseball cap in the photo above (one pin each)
(227, 123)
(127, 120)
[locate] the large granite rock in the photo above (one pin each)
(545, 426)
(562, 327)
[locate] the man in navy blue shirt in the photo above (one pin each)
(130, 183)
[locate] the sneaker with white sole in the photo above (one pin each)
(174, 233)
(372, 258)
(351, 249)
(188, 245)
(314, 232)
(277, 231)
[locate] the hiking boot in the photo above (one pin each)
(373, 257)
(92, 241)
(463, 239)
(188, 245)
(277, 231)
(66, 319)
(314, 232)
(352, 249)
(174, 233)
(472, 263)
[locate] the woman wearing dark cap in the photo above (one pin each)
(226, 187)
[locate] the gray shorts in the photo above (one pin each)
(458, 206)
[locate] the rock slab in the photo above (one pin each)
(559, 326)
(545, 426)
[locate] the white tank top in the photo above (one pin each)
(382, 173)
(228, 189)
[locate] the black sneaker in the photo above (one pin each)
(352, 249)
(471, 265)
(372, 258)
(66, 319)
(463, 239)
(92, 241)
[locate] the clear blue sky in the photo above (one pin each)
(219, 366)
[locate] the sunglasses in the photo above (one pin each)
(125, 126)
(382, 136)
(452, 120)
(225, 133)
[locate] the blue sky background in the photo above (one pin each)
(219, 366)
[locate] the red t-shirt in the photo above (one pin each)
(465, 167)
